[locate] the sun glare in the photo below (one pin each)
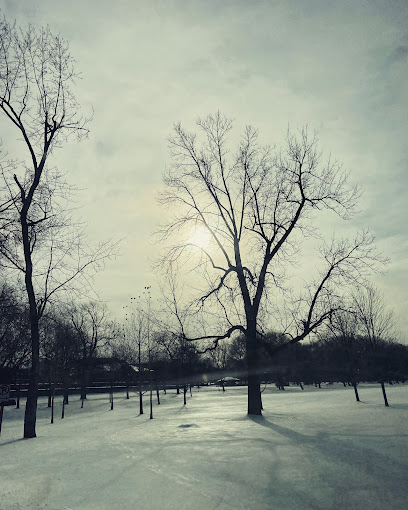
(200, 237)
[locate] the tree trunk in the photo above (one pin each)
(30, 415)
(151, 390)
(85, 378)
(384, 394)
(1, 416)
(356, 391)
(254, 385)
(52, 403)
(140, 380)
(49, 395)
(18, 395)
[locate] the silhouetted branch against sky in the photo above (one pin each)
(256, 204)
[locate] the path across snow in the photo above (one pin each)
(313, 449)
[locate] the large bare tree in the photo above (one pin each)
(36, 101)
(245, 213)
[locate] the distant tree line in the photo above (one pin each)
(328, 359)
(81, 346)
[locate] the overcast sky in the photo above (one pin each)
(339, 66)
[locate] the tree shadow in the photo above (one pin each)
(371, 462)
(13, 441)
(397, 406)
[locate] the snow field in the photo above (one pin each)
(312, 449)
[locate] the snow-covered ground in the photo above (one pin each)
(313, 449)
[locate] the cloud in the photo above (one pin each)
(340, 67)
(400, 53)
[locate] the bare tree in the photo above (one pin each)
(256, 205)
(36, 100)
(344, 328)
(132, 346)
(94, 331)
(180, 356)
(60, 350)
(376, 324)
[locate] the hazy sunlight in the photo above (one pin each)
(200, 237)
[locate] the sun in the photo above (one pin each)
(200, 237)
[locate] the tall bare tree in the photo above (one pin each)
(36, 101)
(135, 340)
(246, 213)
